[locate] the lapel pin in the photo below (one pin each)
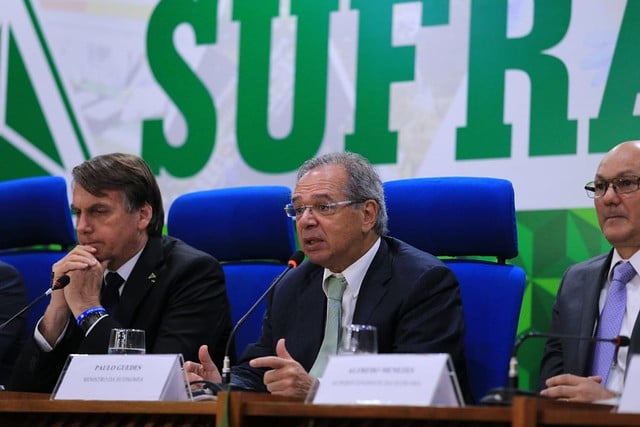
(152, 277)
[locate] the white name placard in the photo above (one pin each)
(389, 379)
(629, 398)
(123, 377)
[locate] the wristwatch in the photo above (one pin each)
(90, 319)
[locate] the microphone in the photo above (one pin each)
(503, 396)
(59, 283)
(619, 341)
(293, 262)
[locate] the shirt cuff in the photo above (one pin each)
(42, 343)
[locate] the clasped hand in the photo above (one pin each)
(285, 377)
(568, 387)
(86, 275)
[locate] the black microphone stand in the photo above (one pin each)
(505, 395)
(295, 259)
(212, 388)
(58, 284)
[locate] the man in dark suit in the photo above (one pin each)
(171, 290)
(568, 369)
(13, 296)
(410, 296)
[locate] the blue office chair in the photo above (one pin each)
(36, 230)
(463, 217)
(246, 229)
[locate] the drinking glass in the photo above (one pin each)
(127, 341)
(359, 339)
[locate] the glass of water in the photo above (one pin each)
(358, 339)
(127, 341)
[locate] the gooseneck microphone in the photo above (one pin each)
(293, 262)
(59, 283)
(504, 395)
(619, 341)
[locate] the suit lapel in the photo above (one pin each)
(593, 280)
(374, 285)
(142, 278)
(307, 325)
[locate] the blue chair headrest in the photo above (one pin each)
(454, 216)
(234, 224)
(35, 211)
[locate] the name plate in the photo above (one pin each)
(629, 398)
(389, 379)
(129, 377)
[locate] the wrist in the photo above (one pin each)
(89, 317)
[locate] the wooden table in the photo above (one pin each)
(530, 412)
(241, 409)
(31, 409)
(249, 409)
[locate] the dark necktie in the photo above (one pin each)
(111, 291)
(611, 319)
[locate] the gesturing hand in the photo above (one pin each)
(286, 377)
(205, 370)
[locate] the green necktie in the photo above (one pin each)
(336, 285)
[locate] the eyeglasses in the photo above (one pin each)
(323, 209)
(621, 185)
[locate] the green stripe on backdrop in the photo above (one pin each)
(549, 242)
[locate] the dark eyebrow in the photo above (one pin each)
(91, 207)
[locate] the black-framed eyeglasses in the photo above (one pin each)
(621, 185)
(324, 209)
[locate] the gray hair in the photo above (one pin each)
(363, 183)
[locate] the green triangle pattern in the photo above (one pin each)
(549, 241)
(21, 165)
(24, 114)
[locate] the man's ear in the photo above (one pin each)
(144, 216)
(370, 210)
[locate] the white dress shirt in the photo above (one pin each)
(354, 275)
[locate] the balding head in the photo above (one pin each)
(618, 208)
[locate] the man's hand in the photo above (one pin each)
(286, 377)
(65, 301)
(205, 370)
(79, 258)
(573, 388)
(86, 274)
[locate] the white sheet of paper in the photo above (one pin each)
(126, 377)
(389, 379)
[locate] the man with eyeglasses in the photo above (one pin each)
(600, 297)
(410, 296)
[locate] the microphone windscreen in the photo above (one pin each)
(296, 259)
(61, 282)
(623, 341)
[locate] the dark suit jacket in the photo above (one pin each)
(410, 296)
(575, 312)
(175, 293)
(13, 296)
